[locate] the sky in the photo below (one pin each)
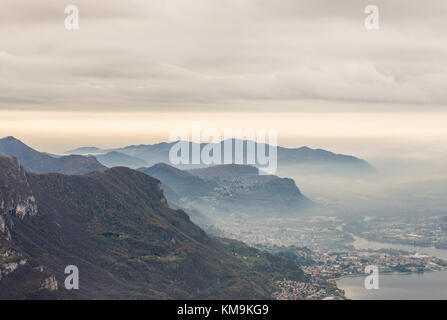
(135, 70)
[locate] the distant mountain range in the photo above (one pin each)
(40, 162)
(116, 227)
(118, 159)
(304, 159)
(85, 150)
(219, 189)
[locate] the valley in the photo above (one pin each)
(164, 232)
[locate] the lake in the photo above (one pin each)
(360, 243)
(430, 285)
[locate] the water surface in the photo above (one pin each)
(426, 286)
(429, 285)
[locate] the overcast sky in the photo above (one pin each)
(183, 54)
(213, 56)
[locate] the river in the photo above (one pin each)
(429, 285)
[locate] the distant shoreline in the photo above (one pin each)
(385, 274)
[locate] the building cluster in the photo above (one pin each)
(425, 231)
(296, 290)
(337, 264)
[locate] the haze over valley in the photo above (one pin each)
(209, 149)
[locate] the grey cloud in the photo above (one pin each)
(193, 54)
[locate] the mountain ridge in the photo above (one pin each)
(306, 157)
(117, 159)
(116, 226)
(39, 162)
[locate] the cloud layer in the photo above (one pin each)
(218, 55)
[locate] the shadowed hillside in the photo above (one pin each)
(117, 228)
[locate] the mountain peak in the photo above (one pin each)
(16, 197)
(11, 140)
(39, 162)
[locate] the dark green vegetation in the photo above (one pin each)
(116, 226)
(263, 265)
(301, 255)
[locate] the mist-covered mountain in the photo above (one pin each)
(118, 159)
(182, 182)
(116, 227)
(227, 172)
(304, 159)
(182, 189)
(85, 151)
(40, 162)
(317, 161)
(230, 188)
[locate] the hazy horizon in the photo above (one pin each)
(311, 70)
(375, 137)
(353, 77)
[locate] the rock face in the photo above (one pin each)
(50, 284)
(17, 203)
(16, 196)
